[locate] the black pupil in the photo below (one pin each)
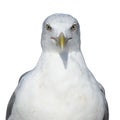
(73, 27)
(48, 27)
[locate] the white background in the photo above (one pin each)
(20, 32)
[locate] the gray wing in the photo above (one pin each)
(106, 114)
(10, 106)
(12, 100)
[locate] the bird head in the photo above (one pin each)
(60, 34)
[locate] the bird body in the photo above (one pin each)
(60, 87)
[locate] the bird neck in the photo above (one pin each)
(62, 61)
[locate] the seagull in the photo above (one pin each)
(60, 86)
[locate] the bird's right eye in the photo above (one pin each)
(73, 27)
(48, 27)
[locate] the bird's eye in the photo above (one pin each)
(48, 27)
(73, 27)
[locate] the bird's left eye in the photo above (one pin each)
(48, 27)
(73, 27)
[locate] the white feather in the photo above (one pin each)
(53, 91)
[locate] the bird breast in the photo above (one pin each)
(56, 95)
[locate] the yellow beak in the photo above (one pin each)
(61, 40)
